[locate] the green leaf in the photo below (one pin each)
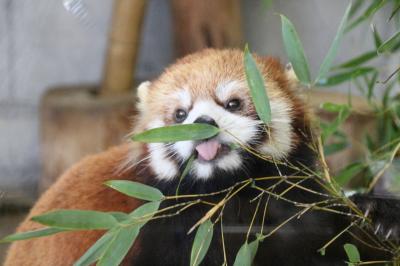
(343, 112)
(389, 44)
(31, 234)
(370, 11)
(377, 38)
(101, 249)
(344, 76)
(266, 4)
(387, 95)
(361, 59)
(201, 242)
(124, 238)
(136, 190)
(333, 108)
(394, 11)
(97, 249)
(146, 210)
(352, 253)
(369, 143)
(77, 219)
(326, 64)
(120, 216)
(332, 148)
(371, 85)
(257, 87)
(188, 166)
(346, 174)
(119, 246)
(246, 254)
(295, 52)
(355, 7)
(196, 131)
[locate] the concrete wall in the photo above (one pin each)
(43, 45)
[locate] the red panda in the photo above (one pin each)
(206, 87)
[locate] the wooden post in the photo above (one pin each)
(123, 46)
(81, 120)
(200, 24)
(75, 122)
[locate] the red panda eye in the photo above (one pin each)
(180, 115)
(233, 105)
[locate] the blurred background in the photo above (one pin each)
(67, 45)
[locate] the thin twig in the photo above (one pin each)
(384, 168)
(336, 237)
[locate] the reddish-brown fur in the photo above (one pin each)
(81, 187)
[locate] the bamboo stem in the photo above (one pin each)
(123, 46)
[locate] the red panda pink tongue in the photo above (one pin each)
(208, 150)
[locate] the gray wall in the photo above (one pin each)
(43, 45)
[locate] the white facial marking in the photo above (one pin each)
(230, 161)
(202, 170)
(225, 89)
(279, 142)
(155, 124)
(163, 167)
(184, 148)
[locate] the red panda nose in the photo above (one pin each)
(204, 119)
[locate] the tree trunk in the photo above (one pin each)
(200, 24)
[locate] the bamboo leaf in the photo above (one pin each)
(355, 7)
(175, 133)
(96, 250)
(77, 219)
(119, 216)
(295, 52)
(188, 166)
(352, 253)
(377, 38)
(342, 110)
(361, 59)
(395, 10)
(124, 237)
(346, 174)
(31, 234)
(119, 246)
(201, 242)
(326, 64)
(370, 11)
(246, 254)
(389, 44)
(258, 91)
(344, 76)
(136, 190)
(266, 4)
(332, 148)
(144, 213)
(333, 108)
(371, 85)
(369, 143)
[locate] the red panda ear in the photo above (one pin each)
(277, 70)
(142, 93)
(290, 74)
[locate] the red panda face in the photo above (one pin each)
(211, 87)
